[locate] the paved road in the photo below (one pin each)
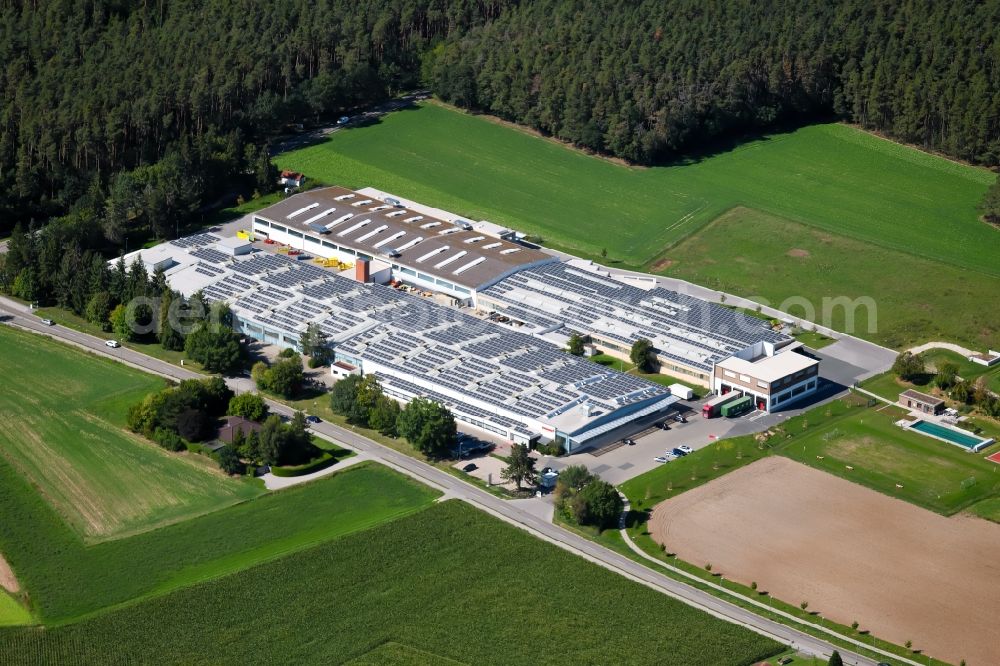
(18, 315)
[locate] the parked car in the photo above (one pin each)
(680, 418)
(343, 120)
(313, 419)
(669, 455)
(114, 344)
(471, 467)
(679, 452)
(48, 322)
(663, 425)
(629, 442)
(661, 459)
(685, 448)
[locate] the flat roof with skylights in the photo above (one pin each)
(336, 217)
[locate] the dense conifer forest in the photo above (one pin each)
(134, 114)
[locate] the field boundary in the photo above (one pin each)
(732, 593)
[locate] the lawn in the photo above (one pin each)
(67, 579)
(831, 437)
(70, 442)
(889, 386)
(911, 214)
(677, 476)
(70, 319)
(771, 259)
(448, 581)
(886, 458)
(620, 365)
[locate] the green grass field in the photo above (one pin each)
(682, 474)
(932, 474)
(448, 581)
(913, 215)
(831, 437)
(70, 442)
(916, 299)
(67, 579)
(12, 613)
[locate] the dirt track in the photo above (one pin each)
(803, 535)
(7, 579)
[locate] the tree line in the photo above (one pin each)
(650, 80)
(180, 97)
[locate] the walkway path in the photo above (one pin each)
(501, 509)
(958, 349)
(272, 482)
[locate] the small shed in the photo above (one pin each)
(681, 391)
(234, 246)
(921, 402)
(292, 179)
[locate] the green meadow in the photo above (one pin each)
(71, 443)
(912, 214)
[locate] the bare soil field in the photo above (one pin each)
(902, 572)
(7, 579)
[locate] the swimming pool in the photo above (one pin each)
(951, 435)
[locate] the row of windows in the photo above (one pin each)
(795, 392)
(264, 225)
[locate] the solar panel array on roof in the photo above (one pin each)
(496, 374)
(209, 255)
(683, 328)
(196, 240)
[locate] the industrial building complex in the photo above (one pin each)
(464, 313)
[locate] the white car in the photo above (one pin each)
(48, 322)
(661, 459)
(669, 455)
(685, 448)
(114, 344)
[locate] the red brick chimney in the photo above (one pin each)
(361, 270)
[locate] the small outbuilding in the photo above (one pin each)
(921, 402)
(292, 179)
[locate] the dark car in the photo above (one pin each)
(629, 442)
(679, 453)
(471, 467)
(314, 419)
(663, 425)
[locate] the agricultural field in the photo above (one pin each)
(846, 432)
(912, 214)
(12, 613)
(762, 256)
(851, 553)
(67, 579)
(447, 583)
(71, 443)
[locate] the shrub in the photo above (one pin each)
(229, 460)
(322, 462)
(168, 439)
(249, 406)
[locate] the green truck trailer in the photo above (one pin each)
(737, 407)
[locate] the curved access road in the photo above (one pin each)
(13, 313)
